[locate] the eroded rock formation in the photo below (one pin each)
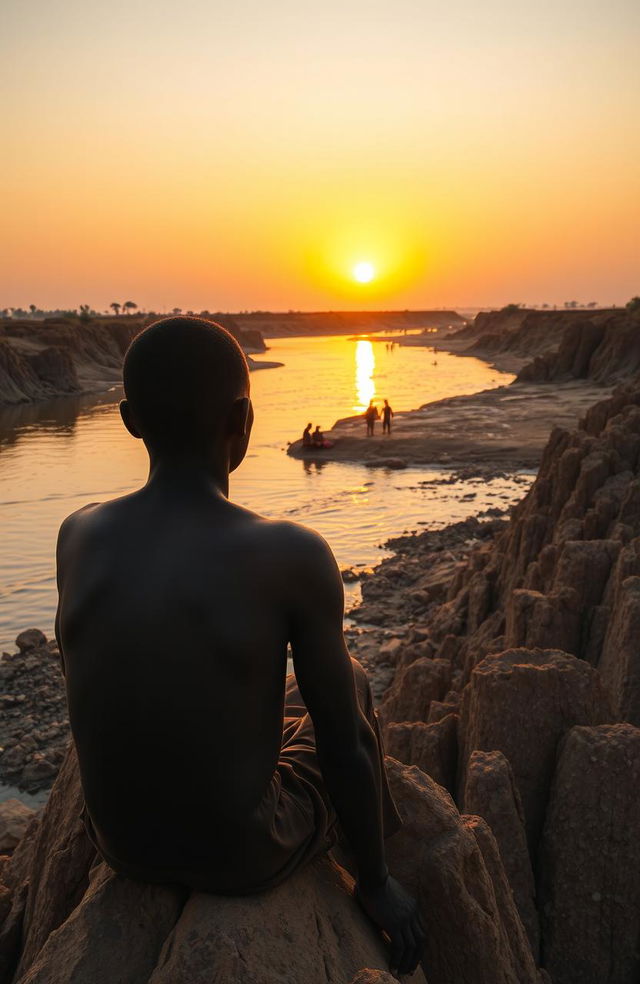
(69, 918)
(539, 627)
(590, 859)
(60, 356)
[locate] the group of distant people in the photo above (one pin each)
(372, 414)
(315, 439)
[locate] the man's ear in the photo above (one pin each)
(127, 419)
(241, 417)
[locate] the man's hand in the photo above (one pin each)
(395, 912)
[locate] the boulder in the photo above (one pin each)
(469, 916)
(68, 917)
(491, 793)
(308, 929)
(521, 702)
(590, 859)
(432, 747)
(15, 817)
(31, 639)
(413, 689)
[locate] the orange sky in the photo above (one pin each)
(239, 155)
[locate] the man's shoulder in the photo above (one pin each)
(91, 517)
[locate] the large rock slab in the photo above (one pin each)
(413, 689)
(521, 702)
(469, 915)
(590, 859)
(491, 793)
(432, 747)
(308, 929)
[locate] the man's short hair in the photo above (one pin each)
(181, 376)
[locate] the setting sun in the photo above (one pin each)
(363, 272)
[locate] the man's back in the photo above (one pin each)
(174, 631)
(201, 761)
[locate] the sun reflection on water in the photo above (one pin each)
(365, 365)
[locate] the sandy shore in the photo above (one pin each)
(504, 428)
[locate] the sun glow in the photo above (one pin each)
(364, 272)
(365, 367)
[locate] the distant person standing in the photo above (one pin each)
(371, 415)
(387, 414)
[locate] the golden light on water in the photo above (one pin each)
(364, 272)
(365, 365)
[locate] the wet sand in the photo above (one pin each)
(498, 429)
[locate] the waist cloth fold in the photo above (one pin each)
(294, 822)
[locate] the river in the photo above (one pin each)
(57, 456)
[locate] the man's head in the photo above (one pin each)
(186, 383)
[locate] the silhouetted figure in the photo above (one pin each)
(318, 437)
(387, 414)
(371, 415)
(307, 440)
(175, 610)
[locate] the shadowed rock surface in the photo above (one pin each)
(474, 933)
(521, 702)
(432, 747)
(490, 792)
(590, 859)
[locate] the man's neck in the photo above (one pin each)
(189, 474)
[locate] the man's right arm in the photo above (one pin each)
(346, 745)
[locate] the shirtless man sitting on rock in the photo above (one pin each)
(202, 763)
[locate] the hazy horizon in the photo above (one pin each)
(244, 156)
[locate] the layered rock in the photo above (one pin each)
(474, 933)
(604, 347)
(61, 356)
(413, 689)
(590, 859)
(491, 793)
(521, 702)
(432, 747)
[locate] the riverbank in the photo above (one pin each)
(565, 362)
(502, 429)
(46, 359)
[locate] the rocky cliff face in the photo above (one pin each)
(535, 654)
(602, 348)
(601, 345)
(58, 357)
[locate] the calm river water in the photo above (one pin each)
(57, 456)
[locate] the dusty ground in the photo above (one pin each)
(504, 428)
